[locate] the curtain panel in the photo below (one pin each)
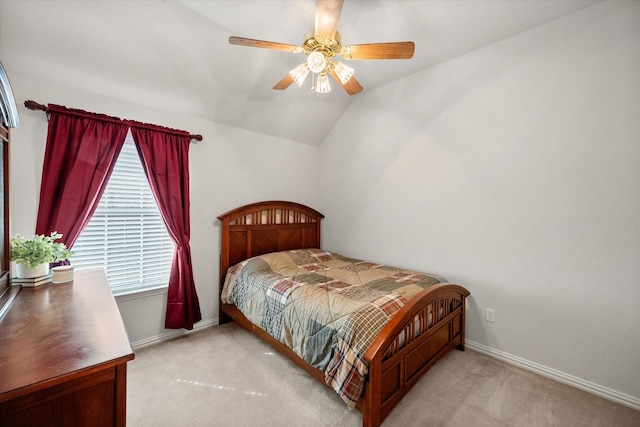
(165, 159)
(80, 155)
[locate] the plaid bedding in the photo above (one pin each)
(326, 307)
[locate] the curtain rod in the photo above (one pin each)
(33, 105)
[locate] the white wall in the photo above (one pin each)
(229, 168)
(514, 171)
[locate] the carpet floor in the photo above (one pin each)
(225, 376)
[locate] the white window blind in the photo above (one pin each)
(126, 235)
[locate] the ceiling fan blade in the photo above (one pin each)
(327, 16)
(352, 86)
(242, 41)
(284, 83)
(391, 50)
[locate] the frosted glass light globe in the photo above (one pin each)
(316, 62)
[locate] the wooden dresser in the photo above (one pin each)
(63, 356)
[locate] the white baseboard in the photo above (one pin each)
(173, 334)
(607, 393)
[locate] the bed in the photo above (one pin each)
(419, 331)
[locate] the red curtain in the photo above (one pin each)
(165, 158)
(81, 151)
(79, 157)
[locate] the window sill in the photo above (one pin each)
(140, 293)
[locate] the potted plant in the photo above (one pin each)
(32, 256)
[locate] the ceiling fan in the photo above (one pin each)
(322, 45)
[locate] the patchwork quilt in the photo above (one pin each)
(326, 307)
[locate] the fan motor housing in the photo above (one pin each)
(329, 47)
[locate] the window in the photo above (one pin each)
(126, 235)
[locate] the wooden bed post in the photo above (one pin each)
(224, 266)
(463, 319)
(371, 412)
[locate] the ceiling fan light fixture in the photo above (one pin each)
(317, 61)
(322, 84)
(299, 73)
(344, 72)
(322, 44)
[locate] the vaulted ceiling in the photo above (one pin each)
(174, 55)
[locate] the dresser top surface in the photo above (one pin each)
(56, 330)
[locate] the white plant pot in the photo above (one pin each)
(62, 274)
(23, 271)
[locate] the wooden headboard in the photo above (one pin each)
(264, 227)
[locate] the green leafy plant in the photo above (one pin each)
(39, 249)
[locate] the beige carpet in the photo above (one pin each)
(225, 376)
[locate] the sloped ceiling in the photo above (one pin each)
(174, 55)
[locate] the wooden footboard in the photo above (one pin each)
(418, 336)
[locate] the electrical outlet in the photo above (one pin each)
(490, 315)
